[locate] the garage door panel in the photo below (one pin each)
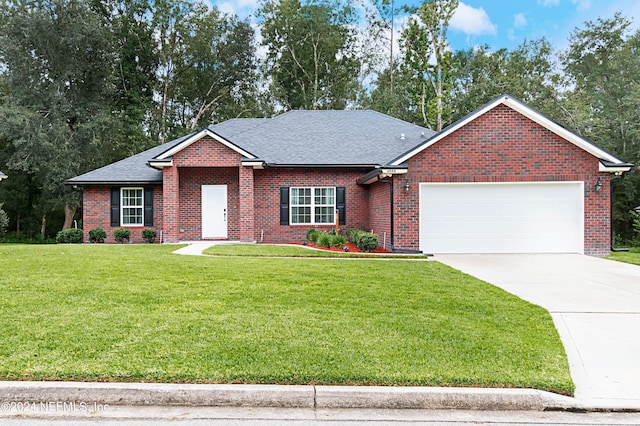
(501, 218)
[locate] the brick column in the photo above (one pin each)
(171, 204)
(246, 204)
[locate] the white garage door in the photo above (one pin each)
(502, 217)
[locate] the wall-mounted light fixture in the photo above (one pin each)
(598, 185)
(406, 185)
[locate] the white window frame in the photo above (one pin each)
(313, 205)
(123, 207)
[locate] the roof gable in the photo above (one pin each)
(196, 137)
(528, 112)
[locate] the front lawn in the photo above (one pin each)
(140, 313)
(632, 256)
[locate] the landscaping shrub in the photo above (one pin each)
(337, 241)
(122, 235)
(365, 241)
(324, 240)
(355, 234)
(368, 242)
(4, 221)
(97, 235)
(312, 235)
(149, 235)
(70, 236)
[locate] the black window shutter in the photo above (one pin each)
(148, 207)
(115, 206)
(284, 205)
(341, 204)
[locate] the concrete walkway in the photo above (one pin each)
(595, 304)
(195, 248)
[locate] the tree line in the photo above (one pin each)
(84, 83)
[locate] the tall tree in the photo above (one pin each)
(206, 66)
(603, 66)
(134, 71)
(218, 68)
(310, 58)
(57, 67)
(428, 57)
(380, 16)
(528, 72)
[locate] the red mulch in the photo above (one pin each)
(351, 246)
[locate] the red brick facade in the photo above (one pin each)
(498, 146)
(505, 146)
(97, 207)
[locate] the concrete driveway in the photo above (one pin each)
(595, 304)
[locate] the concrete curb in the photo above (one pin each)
(283, 396)
(441, 398)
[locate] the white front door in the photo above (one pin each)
(214, 211)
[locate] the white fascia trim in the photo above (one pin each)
(254, 164)
(196, 137)
(386, 172)
(617, 170)
(527, 112)
(160, 164)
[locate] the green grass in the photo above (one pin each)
(632, 256)
(276, 250)
(140, 313)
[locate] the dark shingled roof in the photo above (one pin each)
(314, 138)
(296, 138)
(130, 170)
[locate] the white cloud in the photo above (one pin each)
(472, 21)
(251, 4)
(227, 7)
(519, 20)
(582, 4)
(549, 3)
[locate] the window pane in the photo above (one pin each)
(312, 205)
(301, 196)
(300, 214)
(324, 196)
(132, 203)
(325, 215)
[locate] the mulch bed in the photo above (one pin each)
(352, 247)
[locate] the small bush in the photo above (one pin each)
(368, 242)
(121, 235)
(324, 240)
(337, 241)
(355, 234)
(4, 221)
(70, 236)
(312, 235)
(149, 235)
(97, 235)
(365, 241)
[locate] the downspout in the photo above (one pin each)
(613, 237)
(390, 182)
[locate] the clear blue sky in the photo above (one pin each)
(505, 23)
